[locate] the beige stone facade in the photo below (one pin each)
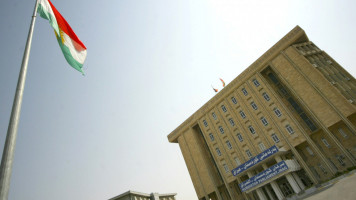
(295, 98)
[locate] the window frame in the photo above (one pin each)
(289, 129)
(256, 83)
(212, 138)
(244, 91)
(266, 96)
(277, 112)
(234, 100)
(223, 108)
(221, 129)
(239, 136)
(275, 138)
(254, 105)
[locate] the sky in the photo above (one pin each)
(150, 65)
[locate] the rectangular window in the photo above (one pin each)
(242, 114)
(211, 137)
(221, 129)
(295, 105)
(218, 151)
(233, 100)
(275, 138)
(237, 161)
(244, 91)
(322, 168)
(256, 82)
(252, 130)
(262, 146)
(228, 144)
(340, 159)
(273, 78)
(289, 129)
(254, 106)
(223, 108)
(309, 151)
(248, 153)
(308, 122)
(342, 133)
(205, 123)
(277, 112)
(265, 95)
(214, 115)
(325, 142)
(232, 122)
(226, 168)
(239, 136)
(264, 121)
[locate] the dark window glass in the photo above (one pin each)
(295, 105)
(309, 123)
(273, 78)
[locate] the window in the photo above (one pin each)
(237, 161)
(254, 106)
(233, 100)
(242, 114)
(275, 138)
(226, 168)
(264, 121)
(232, 122)
(228, 144)
(252, 130)
(277, 112)
(265, 95)
(218, 151)
(256, 82)
(342, 132)
(273, 78)
(244, 91)
(214, 115)
(295, 105)
(205, 123)
(308, 122)
(309, 151)
(322, 168)
(262, 146)
(211, 137)
(325, 142)
(340, 159)
(239, 136)
(248, 153)
(221, 129)
(223, 108)
(289, 129)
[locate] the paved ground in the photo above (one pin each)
(342, 189)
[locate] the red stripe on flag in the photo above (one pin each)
(64, 26)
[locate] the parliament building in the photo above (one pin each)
(286, 123)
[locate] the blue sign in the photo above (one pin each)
(263, 176)
(253, 161)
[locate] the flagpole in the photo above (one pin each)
(9, 148)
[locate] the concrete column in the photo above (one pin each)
(270, 195)
(261, 194)
(300, 183)
(218, 194)
(278, 159)
(277, 190)
(293, 183)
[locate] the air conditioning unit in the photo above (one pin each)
(315, 65)
(329, 61)
(351, 101)
(332, 82)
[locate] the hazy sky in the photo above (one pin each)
(150, 65)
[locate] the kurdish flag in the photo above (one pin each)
(73, 49)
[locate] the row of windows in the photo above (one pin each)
(289, 129)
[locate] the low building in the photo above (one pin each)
(132, 195)
(284, 124)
